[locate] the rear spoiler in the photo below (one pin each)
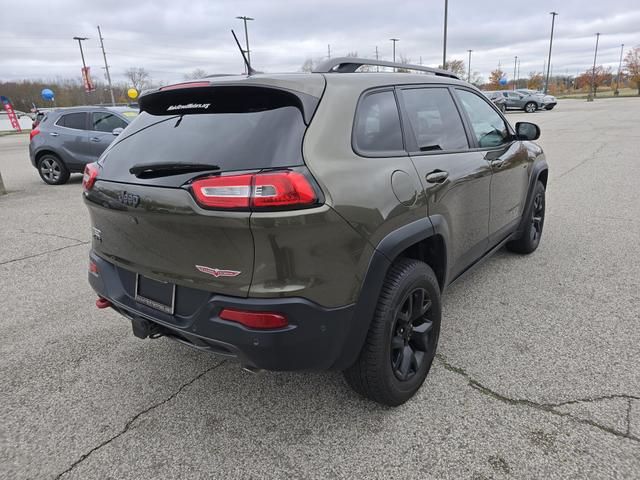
(205, 97)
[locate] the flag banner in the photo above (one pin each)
(11, 113)
(86, 80)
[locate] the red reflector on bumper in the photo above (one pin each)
(93, 268)
(257, 320)
(102, 303)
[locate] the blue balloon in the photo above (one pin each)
(503, 81)
(47, 94)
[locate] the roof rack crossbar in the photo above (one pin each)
(351, 64)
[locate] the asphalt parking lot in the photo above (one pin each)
(537, 376)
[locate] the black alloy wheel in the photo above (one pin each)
(412, 341)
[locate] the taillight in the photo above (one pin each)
(89, 177)
(33, 133)
(257, 320)
(224, 192)
(257, 191)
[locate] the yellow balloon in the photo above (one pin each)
(132, 93)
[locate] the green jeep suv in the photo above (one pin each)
(310, 221)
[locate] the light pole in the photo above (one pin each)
(592, 94)
(106, 67)
(84, 65)
(617, 92)
(444, 43)
(469, 67)
(553, 22)
(246, 37)
(394, 40)
(515, 69)
(518, 74)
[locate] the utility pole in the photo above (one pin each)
(329, 51)
(377, 67)
(394, 40)
(84, 65)
(553, 22)
(515, 71)
(444, 43)
(106, 67)
(469, 67)
(592, 94)
(617, 92)
(246, 39)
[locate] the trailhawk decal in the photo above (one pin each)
(204, 106)
(217, 272)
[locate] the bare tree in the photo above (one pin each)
(307, 66)
(196, 74)
(138, 78)
(632, 66)
(457, 67)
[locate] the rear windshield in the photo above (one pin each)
(250, 135)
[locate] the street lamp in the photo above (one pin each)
(515, 70)
(394, 40)
(617, 92)
(469, 67)
(84, 65)
(444, 43)
(592, 94)
(553, 22)
(246, 37)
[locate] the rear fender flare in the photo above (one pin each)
(385, 253)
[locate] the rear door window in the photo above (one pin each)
(377, 126)
(73, 120)
(434, 119)
(106, 122)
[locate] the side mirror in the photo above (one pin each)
(527, 131)
(117, 131)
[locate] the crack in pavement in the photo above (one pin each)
(546, 407)
(593, 155)
(43, 253)
(50, 235)
(129, 423)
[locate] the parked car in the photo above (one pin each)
(498, 99)
(310, 221)
(520, 101)
(548, 101)
(66, 139)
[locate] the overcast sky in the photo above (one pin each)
(170, 38)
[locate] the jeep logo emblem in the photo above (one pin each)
(129, 199)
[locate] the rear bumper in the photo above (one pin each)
(315, 339)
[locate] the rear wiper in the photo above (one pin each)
(165, 169)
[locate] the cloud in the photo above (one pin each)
(171, 38)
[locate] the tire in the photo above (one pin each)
(529, 240)
(402, 339)
(530, 107)
(503, 108)
(52, 170)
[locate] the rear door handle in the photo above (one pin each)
(95, 139)
(437, 176)
(53, 134)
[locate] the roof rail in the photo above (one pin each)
(351, 64)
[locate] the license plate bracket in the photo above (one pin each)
(155, 294)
